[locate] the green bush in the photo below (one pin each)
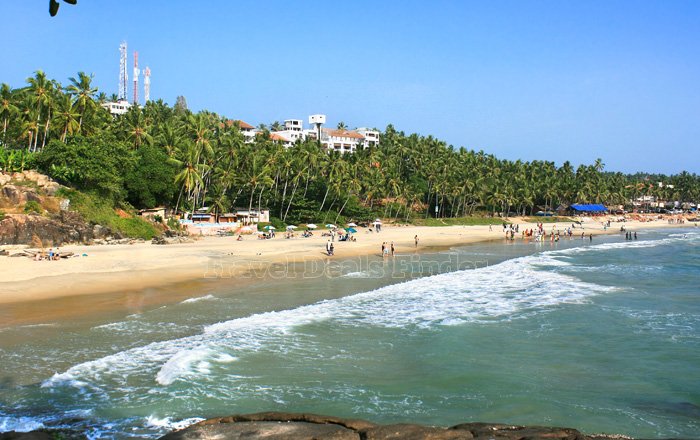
(2, 215)
(95, 209)
(33, 207)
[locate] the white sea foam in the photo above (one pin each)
(201, 298)
(19, 424)
(509, 290)
(168, 424)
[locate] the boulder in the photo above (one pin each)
(65, 227)
(272, 426)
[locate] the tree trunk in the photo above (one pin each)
(324, 198)
(296, 185)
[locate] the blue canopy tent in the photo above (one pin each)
(591, 207)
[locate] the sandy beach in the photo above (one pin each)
(113, 268)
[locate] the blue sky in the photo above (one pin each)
(550, 80)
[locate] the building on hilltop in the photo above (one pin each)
(117, 108)
(247, 130)
(371, 137)
(343, 141)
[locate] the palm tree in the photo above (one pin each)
(7, 108)
(39, 90)
(66, 117)
(82, 91)
(137, 129)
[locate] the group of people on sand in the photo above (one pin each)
(329, 248)
(50, 255)
(386, 248)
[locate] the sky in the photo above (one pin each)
(531, 80)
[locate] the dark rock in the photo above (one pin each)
(267, 430)
(415, 432)
(43, 434)
(33, 435)
(312, 426)
(64, 227)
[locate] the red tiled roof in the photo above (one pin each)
(244, 124)
(345, 133)
(277, 137)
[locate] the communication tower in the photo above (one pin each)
(123, 76)
(146, 84)
(137, 72)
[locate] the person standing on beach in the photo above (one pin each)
(384, 249)
(328, 247)
(392, 249)
(416, 240)
(590, 237)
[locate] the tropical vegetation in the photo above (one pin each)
(161, 155)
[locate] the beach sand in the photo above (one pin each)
(119, 269)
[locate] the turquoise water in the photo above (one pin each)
(601, 336)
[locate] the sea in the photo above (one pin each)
(602, 336)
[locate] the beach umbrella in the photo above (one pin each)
(351, 230)
(330, 226)
(377, 222)
(311, 226)
(290, 227)
(352, 225)
(270, 228)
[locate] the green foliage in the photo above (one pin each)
(33, 207)
(276, 222)
(98, 163)
(174, 224)
(2, 215)
(97, 210)
(13, 161)
(161, 155)
(150, 182)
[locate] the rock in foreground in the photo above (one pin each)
(277, 426)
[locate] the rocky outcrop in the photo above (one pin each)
(43, 182)
(278, 426)
(64, 227)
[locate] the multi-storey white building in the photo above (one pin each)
(371, 137)
(343, 141)
(247, 130)
(117, 108)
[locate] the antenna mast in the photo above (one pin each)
(137, 72)
(123, 76)
(147, 84)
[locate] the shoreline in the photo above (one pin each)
(115, 271)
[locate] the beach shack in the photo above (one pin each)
(253, 216)
(153, 213)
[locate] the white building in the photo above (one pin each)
(247, 130)
(343, 141)
(371, 137)
(117, 108)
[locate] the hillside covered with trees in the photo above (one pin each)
(162, 155)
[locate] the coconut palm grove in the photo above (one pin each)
(161, 155)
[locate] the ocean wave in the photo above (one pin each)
(510, 290)
(167, 424)
(200, 298)
(19, 424)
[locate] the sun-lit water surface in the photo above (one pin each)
(601, 336)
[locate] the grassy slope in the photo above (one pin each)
(96, 210)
